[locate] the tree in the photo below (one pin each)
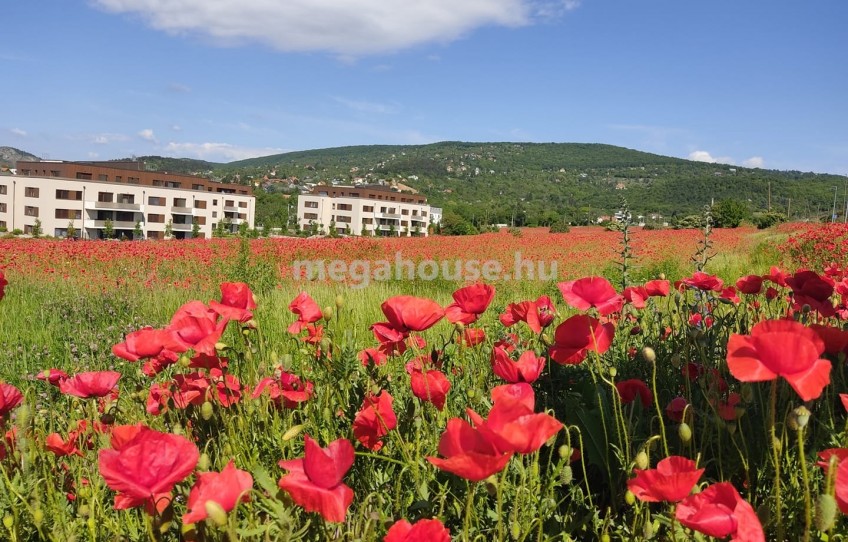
(195, 228)
(137, 232)
(108, 229)
(729, 213)
(333, 231)
(169, 229)
(71, 231)
(36, 228)
(454, 224)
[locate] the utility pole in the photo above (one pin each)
(833, 214)
(769, 196)
(788, 207)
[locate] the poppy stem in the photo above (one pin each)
(657, 406)
(808, 514)
(775, 446)
(469, 506)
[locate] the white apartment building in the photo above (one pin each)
(90, 195)
(368, 210)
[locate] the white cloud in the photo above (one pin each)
(704, 156)
(93, 155)
(754, 161)
(223, 152)
(18, 132)
(344, 27)
(105, 139)
(176, 127)
(147, 135)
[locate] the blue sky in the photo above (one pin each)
(755, 82)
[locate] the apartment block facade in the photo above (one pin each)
(363, 210)
(90, 195)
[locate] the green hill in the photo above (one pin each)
(535, 183)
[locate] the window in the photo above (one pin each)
(102, 177)
(382, 209)
(367, 220)
(214, 203)
(345, 219)
(404, 211)
(3, 189)
(367, 208)
(156, 201)
(126, 198)
(73, 214)
(84, 176)
(200, 204)
(30, 211)
(345, 207)
(201, 220)
(229, 203)
(156, 218)
(214, 214)
(243, 204)
(54, 172)
(119, 179)
(310, 216)
(157, 182)
(197, 187)
(75, 195)
(124, 216)
(133, 180)
(310, 204)
(31, 192)
(179, 202)
(2, 207)
(105, 197)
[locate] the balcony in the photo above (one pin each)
(181, 210)
(181, 227)
(387, 215)
(116, 224)
(232, 209)
(115, 206)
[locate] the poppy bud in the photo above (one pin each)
(188, 531)
(216, 513)
(340, 301)
(206, 410)
(492, 485)
(825, 512)
(648, 530)
(612, 372)
(684, 432)
(515, 530)
(185, 361)
(471, 393)
(564, 451)
(325, 345)
(731, 428)
(286, 361)
(675, 361)
(747, 393)
(642, 460)
(661, 276)
(566, 475)
(649, 354)
(629, 498)
(292, 432)
(221, 346)
(37, 516)
(178, 429)
(328, 313)
(203, 462)
(23, 416)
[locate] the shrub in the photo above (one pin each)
(561, 226)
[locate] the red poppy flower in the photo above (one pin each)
(636, 296)
(307, 311)
(750, 284)
(10, 398)
(720, 511)
(780, 348)
(121, 435)
(629, 390)
(236, 302)
(520, 391)
(468, 453)
(527, 369)
(315, 481)
(373, 356)
(428, 384)
(675, 409)
(469, 303)
(226, 488)
(3, 283)
(835, 339)
(198, 327)
(424, 530)
(729, 294)
(287, 390)
(90, 384)
(472, 336)
(526, 311)
(145, 469)
(776, 276)
(809, 288)
(591, 292)
(71, 446)
(374, 420)
(657, 288)
(190, 389)
(579, 335)
(512, 425)
(149, 343)
(157, 399)
(227, 386)
(702, 281)
(726, 408)
(52, 376)
(672, 480)
(407, 313)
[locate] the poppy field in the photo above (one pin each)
(676, 385)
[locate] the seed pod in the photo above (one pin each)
(340, 301)
(684, 432)
(564, 451)
(613, 371)
(37, 516)
(798, 418)
(515, 530)
(825, 512)
(567, 475)
(203, 462)
(492, 485)
(292, 432)
(629, 498)
(328, 313)
(649, 354)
